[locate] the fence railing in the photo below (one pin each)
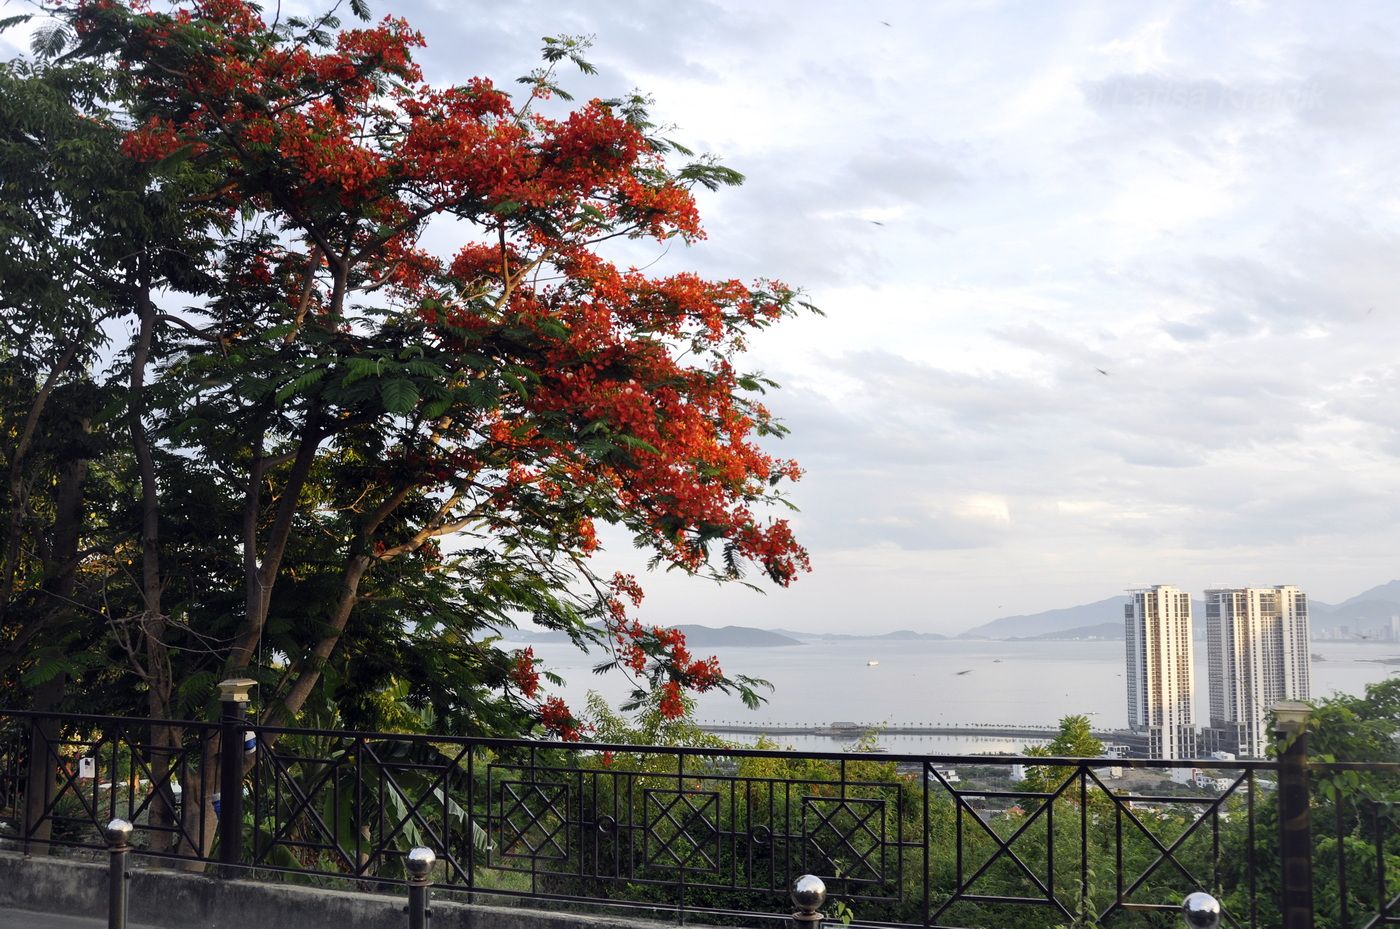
(927, 840)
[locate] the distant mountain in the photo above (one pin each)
(1038, 624)
(1367, 610)
(1388, 592)
(734, 637)
(1354, 614)
(696, 636)
(1112, 631)
(899, 635)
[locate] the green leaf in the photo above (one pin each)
(517, 383)
(632, 441)
(50, 41)
(305, 380)
(173, 160)
(361, 368)
(399, 395)
(553, 328)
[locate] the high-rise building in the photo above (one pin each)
(1160, 677)
(1257, 644)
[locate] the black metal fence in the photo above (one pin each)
(899, 839)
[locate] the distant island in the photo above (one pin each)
(735, 637)
(699, 636)
(1363, 618)
(899, 635)
(1111, 631)
(695, 635)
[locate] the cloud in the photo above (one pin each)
(995, 203)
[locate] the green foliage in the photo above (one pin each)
(1074, 740)
(298, 401)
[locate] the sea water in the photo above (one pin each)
(954, 682)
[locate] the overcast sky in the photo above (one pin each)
(994, 201)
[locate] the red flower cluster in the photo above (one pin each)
(154, 140)
(638, 646)
(556, 718)
(672, 704)
(574, 389)
(524, 675)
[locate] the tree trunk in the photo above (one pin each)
(311, 666)
(60, 582)
(158, 673)
(42, 782)
(199, 824)
(14, 528)
(261, 573)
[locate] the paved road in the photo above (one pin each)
(24, 919)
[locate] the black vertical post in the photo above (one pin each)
(419, 862)
(1294, 814)
(233, 700)
(118, 833)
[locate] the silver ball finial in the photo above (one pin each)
(1201, 911)
(118, 832)
(419, 861)
(808, 893)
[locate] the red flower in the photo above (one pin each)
(524, 675)
(556, 718)
(672, 704)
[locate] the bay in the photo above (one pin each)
(953, 682)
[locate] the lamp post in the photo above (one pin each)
(233, 699)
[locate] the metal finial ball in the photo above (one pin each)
(118, 831)
(1201, 911)
(808, 894)
(419, 861)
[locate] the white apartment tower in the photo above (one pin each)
(1161, 680)
(1257, 643)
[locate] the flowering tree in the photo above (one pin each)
(334, 397)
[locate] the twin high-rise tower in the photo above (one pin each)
(1257, 645)
(1160, 675)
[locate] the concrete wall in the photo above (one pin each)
(173, 900)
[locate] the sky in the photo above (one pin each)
(1109, 289)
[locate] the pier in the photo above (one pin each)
(854, 730)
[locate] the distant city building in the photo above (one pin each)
(1257, 651)
(1161, 680)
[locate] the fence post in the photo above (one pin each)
(1294, 814)
(233, 699)
(118, 833)
(39, 784)
(419, 862)
(808, 893)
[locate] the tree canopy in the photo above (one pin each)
(258, 422)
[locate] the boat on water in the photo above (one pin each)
(872, 663)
